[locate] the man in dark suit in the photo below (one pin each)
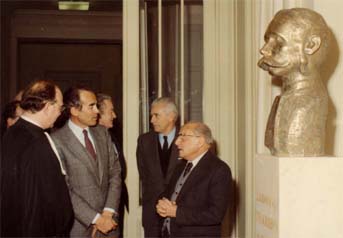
(157, 157)
(196, 199)
(35, 199)
(93, 170)
(107, 115)
(10, 115)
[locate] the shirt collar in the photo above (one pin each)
(170, 136)
(76, 129)
(197, 159)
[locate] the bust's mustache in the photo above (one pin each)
(267, 63)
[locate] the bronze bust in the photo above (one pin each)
(296, 45)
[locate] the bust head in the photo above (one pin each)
(296, 41)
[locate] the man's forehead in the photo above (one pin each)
(87, 97)
(187, 128)
(158, 109)
(108, 103)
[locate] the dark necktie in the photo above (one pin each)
(165, 144)
(189, 165)
(165, 155)
(89, 145)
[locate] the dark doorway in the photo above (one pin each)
(69, 47)
(96, 65)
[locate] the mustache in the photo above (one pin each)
(266, 63)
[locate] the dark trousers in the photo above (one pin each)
(165, 233)
(121, 218)
(152, 232)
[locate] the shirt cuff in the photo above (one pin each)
(110, 210)
(95, 218)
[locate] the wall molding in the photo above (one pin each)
(133, 224)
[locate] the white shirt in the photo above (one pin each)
(196, 161)
(78, 132)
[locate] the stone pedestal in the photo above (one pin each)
(299, 197)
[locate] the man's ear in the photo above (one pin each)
(312, 45)
(45, 109)
(74, 111)
(201, 141)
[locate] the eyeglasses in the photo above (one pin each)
(182, 136)
(61, 107)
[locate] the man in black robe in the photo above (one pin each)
(35, 200)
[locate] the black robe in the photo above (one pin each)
(35, 199)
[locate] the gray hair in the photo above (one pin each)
(101, 97)
(201, 129)
(169, 105)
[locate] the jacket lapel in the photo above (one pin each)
(99, 147)
(156, 155)
(174, 158)
(197, 172)
(80, 152)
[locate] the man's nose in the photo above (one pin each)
(266, 50)
(177, 141)
(152, 119)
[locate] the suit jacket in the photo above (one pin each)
(35, 201)
(124, 199)
(151, 175)
(203, 199)
(93, 185)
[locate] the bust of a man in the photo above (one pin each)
(296, 45)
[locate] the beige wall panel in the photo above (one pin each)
(329, 9)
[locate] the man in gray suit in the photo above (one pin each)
(157, 157)
(93, 170)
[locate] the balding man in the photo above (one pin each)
(35, 200)
(196, 199)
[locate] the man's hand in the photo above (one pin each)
(109, 214)
(105, 223)
(166, 208)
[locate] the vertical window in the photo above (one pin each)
(171, 45)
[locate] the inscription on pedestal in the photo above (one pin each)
(299, 197)
(265, 216)
(267, 203)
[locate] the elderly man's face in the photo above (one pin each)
(283, 49)
(162, 120)
(107, 114)
(188, 143)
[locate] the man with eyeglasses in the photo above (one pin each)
(35, 199)
(195, 201)
(93, 169)
(157, 157)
